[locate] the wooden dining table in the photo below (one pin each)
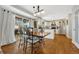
(40, 35)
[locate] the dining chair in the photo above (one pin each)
(23, 37)
(28, 40)
(32, 41)
(20, 37)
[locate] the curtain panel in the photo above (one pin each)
(7, 27)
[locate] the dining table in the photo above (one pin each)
(40, 35)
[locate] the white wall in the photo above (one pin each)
(69, 27)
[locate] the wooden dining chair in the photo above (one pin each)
(22, 40)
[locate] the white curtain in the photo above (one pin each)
(5, 18)
(11, 28)
(1, 21)
(7, 24)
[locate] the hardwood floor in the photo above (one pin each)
(59, 45)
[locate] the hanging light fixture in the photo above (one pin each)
(37, 10)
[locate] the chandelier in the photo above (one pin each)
(37, 11)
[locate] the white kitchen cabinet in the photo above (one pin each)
(51, 35)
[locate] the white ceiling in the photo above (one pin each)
(51, 11)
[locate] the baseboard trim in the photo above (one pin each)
(8, 43)
(75, 43)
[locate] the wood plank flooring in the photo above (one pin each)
(59, 45)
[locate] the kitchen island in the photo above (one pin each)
(51, 35)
